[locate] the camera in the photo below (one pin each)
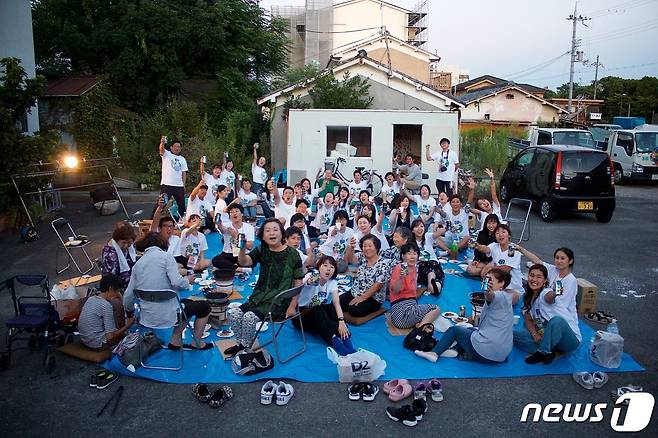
(443, 168)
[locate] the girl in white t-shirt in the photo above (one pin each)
(430, 273)
(258, 172)
(484, 207)
(565, 287)
(284, 205)
(228, 176)
(248, 199)
(426, 205)
(320, 306)
(343, 202)
(456, 232)
(503, 255)
(337, 244)
(193, 245)
(325, 213)
(390, 190)
(365, 225)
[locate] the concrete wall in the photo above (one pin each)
(519, 109)
(306, 147)
(416, 68)
(16, 41)
(366, 14)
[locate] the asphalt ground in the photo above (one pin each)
(619, 257)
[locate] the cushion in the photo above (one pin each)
(80, 351)
(363, 319)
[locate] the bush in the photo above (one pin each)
(481, 149)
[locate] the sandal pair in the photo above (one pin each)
(600, 317)
(214, 400)
(591, 380)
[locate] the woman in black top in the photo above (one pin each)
(485, 237)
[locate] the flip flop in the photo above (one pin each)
(599, 318)
(600, 379)
(390, 385)
(584, 379)
(624, 389)
(401, 392)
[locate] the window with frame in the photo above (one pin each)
(523, 160)
(358, 136)
(509, 96)
(544, 138)
(487, 117)
(626, 141)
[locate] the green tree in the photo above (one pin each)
(351, 92)
(295, 75)
(18, 94)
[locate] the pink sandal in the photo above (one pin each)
(401, 392)
(390, 386)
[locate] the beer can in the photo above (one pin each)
(204, 159)
(510, 250)
(242, 241)
(485, 284)
(462, 311)
(404, 269)
(164, 139)
(165, 198)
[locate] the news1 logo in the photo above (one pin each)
(638, 412)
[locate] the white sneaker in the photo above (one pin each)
(449, 353)
(267, 393)
(284, 393)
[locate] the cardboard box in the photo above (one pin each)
(144, 227)
(586, 298)
(81, 284)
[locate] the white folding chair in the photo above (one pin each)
(285, 295)
(523, 219)
(59, 224)
(155, 311)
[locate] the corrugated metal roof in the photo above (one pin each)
(71, 87)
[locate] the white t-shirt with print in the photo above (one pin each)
(483, 215)
(501, 258)
(212, 183)
(231, 243)
(388, 191)
(565, 304)
(174, 245)
(318, 294)
(427, 252)
(199, 206)
(336, 246)
(424, 205)
(191, 244)
(459, 221)
(258, 174)
(281, 209)
(323, 218)
(375, 232)
(355, 188)
(447, 159)
(247, 198)
(173, 167)
(228, 178)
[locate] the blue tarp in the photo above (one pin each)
(313, 365)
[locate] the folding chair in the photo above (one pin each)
(32, 317)
(155, 311)
(285, 295)
(59, 224)
(523, 204)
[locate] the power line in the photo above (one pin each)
(536, 68)
(620, 8)
(624, 67)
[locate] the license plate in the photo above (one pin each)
(585, 205)
(654, 176)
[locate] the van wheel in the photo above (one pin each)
(604, 216)
(504, 193)
(546, 211)
(619, 174)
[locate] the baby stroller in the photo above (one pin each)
(34, 321)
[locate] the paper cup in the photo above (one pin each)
(517, 318)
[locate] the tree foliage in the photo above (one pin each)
(18, 93)
(351, 92)
(148, 47)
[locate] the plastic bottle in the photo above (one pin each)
(613, 328)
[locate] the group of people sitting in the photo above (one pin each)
(309, 236)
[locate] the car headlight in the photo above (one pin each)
(637, 168)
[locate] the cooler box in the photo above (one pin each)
(586, 298)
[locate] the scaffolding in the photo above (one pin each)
(417, 24)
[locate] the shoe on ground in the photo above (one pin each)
(354, 391)
(370, 391)
(107, 380)
(220, 396)
(419, 407)
(538, 356)
(284, 393)
(233, 350)
(401, 392)
(405, 414)
(391, 384)
(93, 381)
(584, 379)
(267, 393)
(436, 389)
(600, 378)
(420, 391)
(201, 392)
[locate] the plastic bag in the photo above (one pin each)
(606, 349)
(362, 366)
(64, 292)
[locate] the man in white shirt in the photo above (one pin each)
(248, 199)
(284, 205)
(165, 225)
(358, 184)
(448, 165)
(456, 226)
(193, 246)
(174, 173)
(230, 231)
(258, 172)
(201, 205)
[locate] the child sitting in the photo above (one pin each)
(405, 310)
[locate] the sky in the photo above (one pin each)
(526, 40)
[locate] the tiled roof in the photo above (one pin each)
(71, 87)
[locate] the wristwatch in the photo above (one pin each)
(341, 319)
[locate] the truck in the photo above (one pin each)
(629, 122)
(564, 136)
(634, 153)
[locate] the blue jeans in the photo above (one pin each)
(267, 211)
(250, 211)
(558, 336)
(463, 337)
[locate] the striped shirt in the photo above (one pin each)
(96, 320)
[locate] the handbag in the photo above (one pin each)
(248, 362)
(127, 349)
(420, 338)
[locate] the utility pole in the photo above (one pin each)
(574, 44)
(596, 74)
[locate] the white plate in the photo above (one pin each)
(264, 327)
(453, 261)
(463, 266)
(464, 324)
(252, 284)
(449, 271)
(460, 320)
(341, 277)
(225, 334)
(73, 242)
(205, 335)
(233, 305)
(449, 315)
(443, 261)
